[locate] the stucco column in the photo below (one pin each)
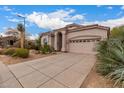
(55, 41)
(63, 41)
(49, 40)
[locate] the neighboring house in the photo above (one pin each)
(75, 38)
(7, 41)
(10, 37)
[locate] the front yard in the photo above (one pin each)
(95, 80)
(8, 60)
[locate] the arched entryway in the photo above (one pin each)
(59, 41)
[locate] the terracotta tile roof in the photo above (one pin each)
(77, 27)
(90, 27)
(68, 26)
(7, 37)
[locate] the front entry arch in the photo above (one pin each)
(59, 41)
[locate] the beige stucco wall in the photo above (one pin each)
(97, 32)
(83, 37)
(43, 37)
(52, 42)
(85, 47)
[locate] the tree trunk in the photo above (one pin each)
(22, 39)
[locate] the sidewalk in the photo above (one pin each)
(7, 79)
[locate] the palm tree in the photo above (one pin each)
(21, 29)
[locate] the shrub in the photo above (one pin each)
(105, 69)
(38, 43)
(46, 49)
(9, 51)
(117, 76)
(118, 32)
(111, 56)
(30, 45)
(21, 52)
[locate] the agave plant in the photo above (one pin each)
(111, 55)
(117, 76)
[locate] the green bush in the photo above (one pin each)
(111, 56)
(37, 43)
(46, 49)
(118, 32)
(21, 52)
(117, 76)
(9, 51)
(105, 69)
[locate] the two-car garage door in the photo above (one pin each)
(83, 45)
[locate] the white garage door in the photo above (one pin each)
(82, 46)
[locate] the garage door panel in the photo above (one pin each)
(82, 47)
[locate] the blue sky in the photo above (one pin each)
(46, 18)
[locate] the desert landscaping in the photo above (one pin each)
(73, 55)
(98, 74)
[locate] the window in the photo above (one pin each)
(98, 40)
(88, 40)
(11, 42)
(45, 41)
(73, 41)
(70, 41)
(84, 40)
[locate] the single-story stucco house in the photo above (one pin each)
(7, 41)
(75, 38)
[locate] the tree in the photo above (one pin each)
(118, 32)
(21, 29)
(38, 43)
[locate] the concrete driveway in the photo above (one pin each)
(57, 71)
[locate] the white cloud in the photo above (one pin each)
(110, 7)
(13, 20)
(44, 21)
(16, 14)
(122, 7)
(3, 34)
(33, 36)
(110, 23)
(54, 20)
(6, 8)
(61, 13)
(75, 17)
